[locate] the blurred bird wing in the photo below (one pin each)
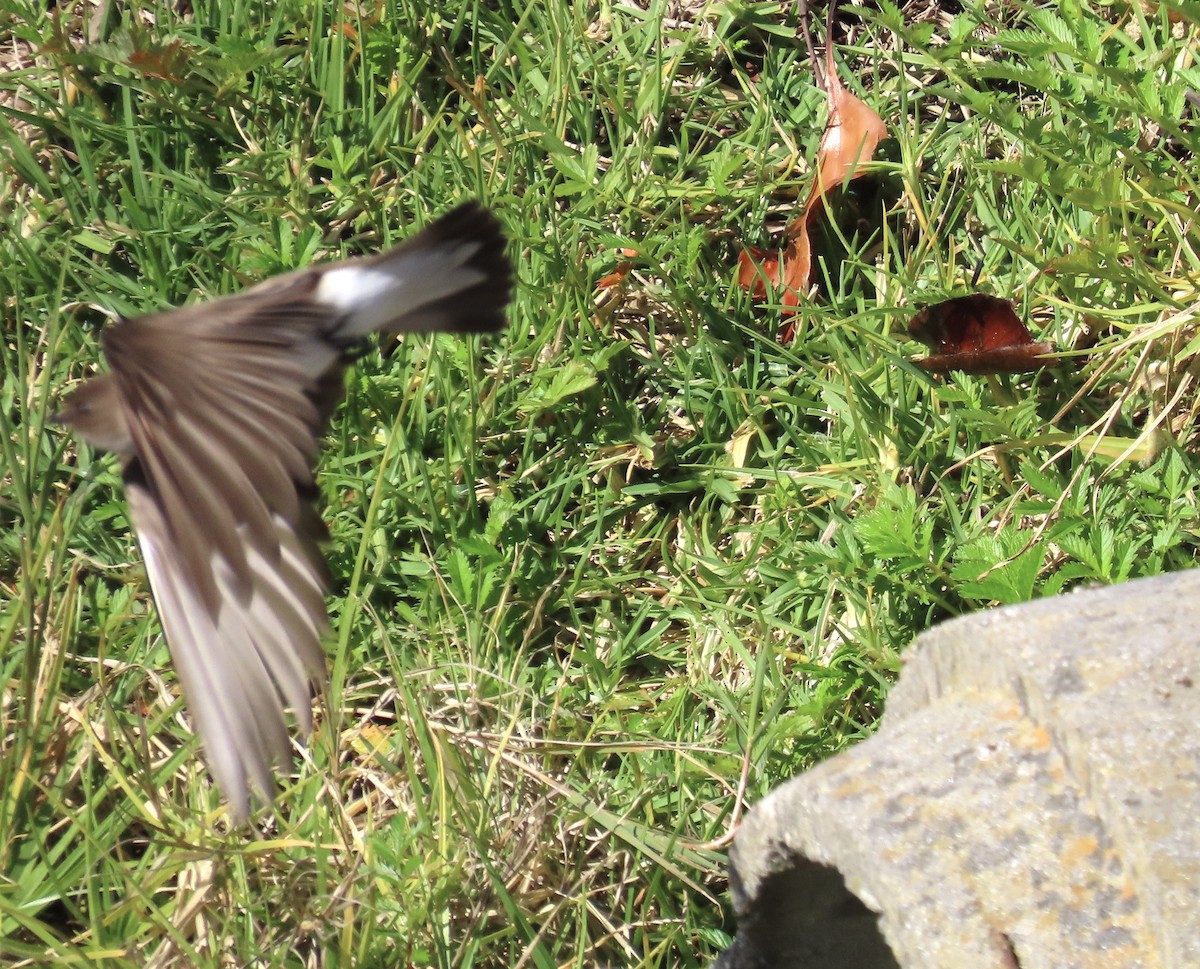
(238, 665)
(224, 401)
(220, 406)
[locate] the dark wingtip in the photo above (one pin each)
(473, 222)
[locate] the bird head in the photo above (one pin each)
(95, 412)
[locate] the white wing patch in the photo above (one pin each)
(377, 294)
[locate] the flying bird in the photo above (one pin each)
(215, 410)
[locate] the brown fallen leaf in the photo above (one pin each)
(852, 134)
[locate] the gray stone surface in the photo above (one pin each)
(1029, 800)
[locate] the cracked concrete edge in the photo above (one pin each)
(1113, 676)
(1029, 795)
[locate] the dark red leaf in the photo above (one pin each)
(977, 334)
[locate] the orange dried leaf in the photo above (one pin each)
(756, 268)
(852, 134)
(616, 277)
(165, 62)
(797, 262)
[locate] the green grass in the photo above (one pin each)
(603, 582)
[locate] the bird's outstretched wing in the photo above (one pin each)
(224, 402)
(240, 663)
